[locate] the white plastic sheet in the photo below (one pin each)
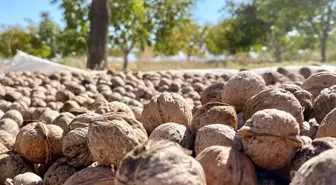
(25, 62)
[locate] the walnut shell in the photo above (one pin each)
(217, 134)
(328, 125)
(12, 96)
(164, 108)
(305, 98)
(75, 88)
(68, 105)
(63, 121)
(324, 103)
(117, 81)
(3, 148)
(241, 88)
(318, 170)
(92, 176)
(7, 139)
(75, 149)
(213, 93)
(305, 72)
(309, 151)
(27, 178)
(214, 113)
(48, 116)
(283, 71)
(82, 120)
(296, 78)
(56, 106)
(174, 132)
(137, 111)
(64, 95)
(305, 140)
(271, 138)
(226, 165)
(274, 99)
(39, 142)
(78, 111)
(4, 105)
(28, 114)
(19, 106)
(115, 107)
(319, 81)
(127, 133)
(58, 173)
(12, 165)
(9, 126)
(38, 112)
(14, 115)
(309, 129)
(169, 165)
(241, 121)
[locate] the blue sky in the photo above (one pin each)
(14, 12)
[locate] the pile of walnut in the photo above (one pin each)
(162, 128)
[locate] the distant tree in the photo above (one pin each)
(280, 21)
(133, 23)
(188, 37)
(317, 19)
(73, 39)
(49, 33)
(143, 23)
(127, 25)
(12, 39)
(217, 38)
(38, 47)
(272, 20)
(164, 17)
(196, 40)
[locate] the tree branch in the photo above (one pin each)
(327, 28)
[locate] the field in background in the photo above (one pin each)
(80, 62)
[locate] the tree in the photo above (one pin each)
(188, 37)
(280, 20)
(38, 47)
(127, 25)
(98, 41)
(316, 19)
(260, 23)
(196, 39)
(12, 39)
(240, 32)
(164, 17)
(134, 22)
(49, 33)
(216, 38)
(146, 22)
(74, 37)
(247, 28)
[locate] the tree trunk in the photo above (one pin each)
(278, 53)
(188, 58)
(324, 48)
(125, 66)
(98, 40)
(325, 34)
